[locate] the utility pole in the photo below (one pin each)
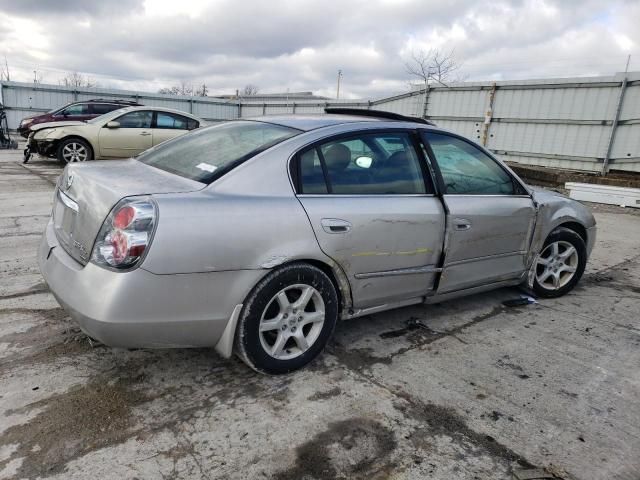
(338, 89)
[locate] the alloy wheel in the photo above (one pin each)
(292, 321)
(74, 152)
(556, 265)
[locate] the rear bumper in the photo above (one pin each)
(141, 309)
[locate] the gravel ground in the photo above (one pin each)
(550, 390)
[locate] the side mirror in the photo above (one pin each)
(113, 124)
(364, 162)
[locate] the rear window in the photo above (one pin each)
(208, 153)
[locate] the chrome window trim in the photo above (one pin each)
(362, 195)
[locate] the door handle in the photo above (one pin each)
(461, 224)
(335, 225)
(144, 134)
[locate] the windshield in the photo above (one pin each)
(111, 114)
(207, 153)
(58, 109)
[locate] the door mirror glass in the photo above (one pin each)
(113, 124)
(364, 162)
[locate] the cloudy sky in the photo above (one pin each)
(300, 45)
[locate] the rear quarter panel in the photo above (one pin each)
(207, 232)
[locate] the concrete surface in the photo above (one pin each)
(557, 177)
(483, 392)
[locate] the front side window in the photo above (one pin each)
(366, 164)
(466, 169)
(204, 154)
(78, 109)
(137, 119)
(175, 122)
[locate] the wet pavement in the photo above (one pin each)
(468, 389)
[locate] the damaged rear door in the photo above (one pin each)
(490, 215)
(373, 210)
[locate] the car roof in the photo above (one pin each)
(155, 109)
(312, 122)
(131, 103)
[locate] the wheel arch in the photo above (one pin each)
(331, 269)
(337, 277)
(576, 227)
(79, 137)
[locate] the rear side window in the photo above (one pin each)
(207, 153)
(366, 164)
(172, 121)
(311, 173)
(468, 170)
(102, 108)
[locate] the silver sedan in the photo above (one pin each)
(256, 236)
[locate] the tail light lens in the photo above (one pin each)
(125, 234)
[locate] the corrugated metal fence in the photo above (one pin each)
(590, 123)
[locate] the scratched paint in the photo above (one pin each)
(417, 251)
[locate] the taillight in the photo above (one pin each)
(125, 234)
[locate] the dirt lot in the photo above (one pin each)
(484, 391)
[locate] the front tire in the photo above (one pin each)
(560, 264)
(287, 319)
(71, 150)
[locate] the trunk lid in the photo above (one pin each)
(86, 193)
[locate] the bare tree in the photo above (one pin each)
(433, 65)
(170, 90)
(5, 74)
(203, 91)
(38, 76)
(250, 90)
(75, 79)
(183, 88)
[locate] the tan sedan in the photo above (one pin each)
(119, 134)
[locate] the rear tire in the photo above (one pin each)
(71, 150)
(560, 264)
(287, 319)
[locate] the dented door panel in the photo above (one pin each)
(488, 238)
(391, 248)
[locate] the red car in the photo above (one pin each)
(84, 110)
